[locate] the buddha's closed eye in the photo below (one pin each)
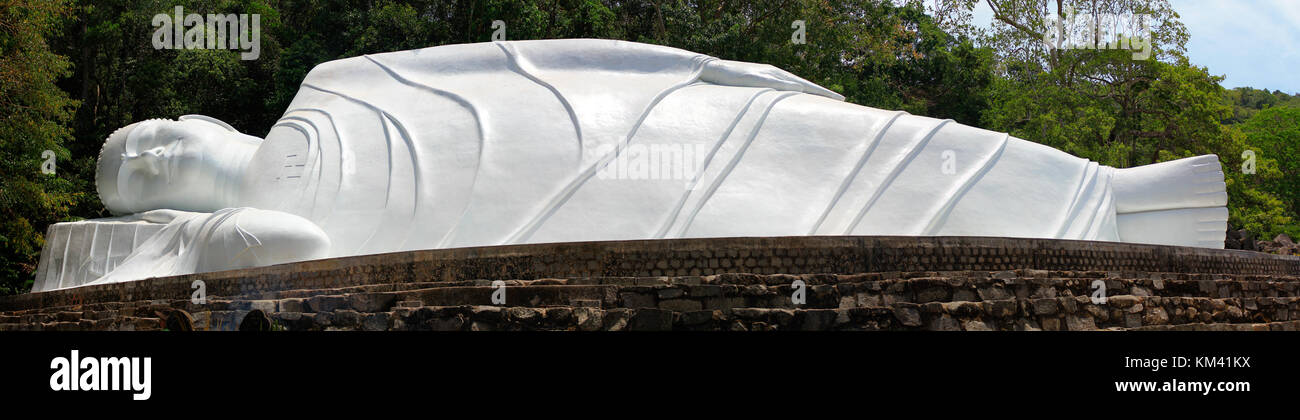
(151, 160)
(147, 161)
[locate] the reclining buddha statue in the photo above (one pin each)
(582, 140)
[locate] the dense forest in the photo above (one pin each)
(72, 71)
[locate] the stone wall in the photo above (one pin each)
(846, 283)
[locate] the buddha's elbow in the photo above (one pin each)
(306, 242)
(264, 237)
(289, 238)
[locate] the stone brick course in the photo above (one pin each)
(848, 283)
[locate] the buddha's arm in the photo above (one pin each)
(77, 253)
(169, 242)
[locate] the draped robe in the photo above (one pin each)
(506, 143)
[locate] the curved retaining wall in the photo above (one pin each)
(684, 257)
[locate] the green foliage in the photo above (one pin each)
(1273, 134)
(33, 111)
(1251, 205)
(1245, 102)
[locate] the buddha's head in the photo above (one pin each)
(192, 164)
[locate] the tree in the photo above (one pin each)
(1274, 133)
(1245, 102)
(33, 111)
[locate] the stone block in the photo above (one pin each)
(680, 305)
(326, 303)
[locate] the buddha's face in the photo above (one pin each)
(182, 165)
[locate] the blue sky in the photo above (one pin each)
(1254, 43)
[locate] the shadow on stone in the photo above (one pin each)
(177, 320)
(256, 320)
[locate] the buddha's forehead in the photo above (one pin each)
(154, 133)
(143, 137)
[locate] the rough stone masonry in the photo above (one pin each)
(727, 284)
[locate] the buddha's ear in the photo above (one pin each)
(207, 119)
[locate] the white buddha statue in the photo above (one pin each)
(582, 140)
